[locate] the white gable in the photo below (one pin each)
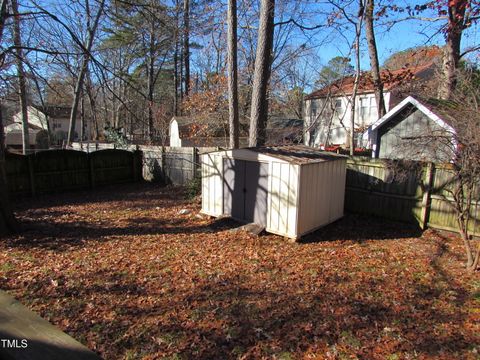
(36, 118)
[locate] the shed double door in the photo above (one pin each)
(245, 190)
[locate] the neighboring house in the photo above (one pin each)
(187, 131)
(58, 118)
(413, 130)
(14, 137)
(327, 111)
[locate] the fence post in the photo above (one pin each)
(194, 162)
(91, 171)
(426, 200)
(31, 174)
(162, 164)
(136, 159)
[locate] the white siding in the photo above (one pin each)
(282, 202)
(338, 132)
(212, 184)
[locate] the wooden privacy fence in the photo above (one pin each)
(419, 195)
(58, 170)
(173, 165)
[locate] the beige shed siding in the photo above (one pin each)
(322, 188)
(212, 184)
(282, 209)
(301, 197)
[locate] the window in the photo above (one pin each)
(338, 108)
(364, 109)
(313, 108)
(367, 110)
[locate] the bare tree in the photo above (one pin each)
(263, 63)
(466, 164)
(233, 119)
(353, 99)
(91, 30)
(186, 44)
(8, 223)
(22, 85)
(373, 53)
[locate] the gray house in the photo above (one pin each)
(413, 130)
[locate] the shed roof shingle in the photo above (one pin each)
(297, 154)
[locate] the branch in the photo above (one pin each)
(469, 50)
(294, 22)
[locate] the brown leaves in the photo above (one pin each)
(122, 272)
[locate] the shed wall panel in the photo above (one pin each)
(212, 184)
(322, 188)
(282, 213)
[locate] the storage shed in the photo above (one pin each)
(290, 190)
(414, 130)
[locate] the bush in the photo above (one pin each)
(194, 188)
(42, 140)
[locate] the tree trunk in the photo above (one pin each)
(372, 52)
(186, 44)
(233, 119)
(476, 261)
(261, 77)
(17, 39)
(8, 224)
(151, 80)
(82, 118)
(451, 55)
(93, 107)
(81, 75)
(175, 75)
(358, 33)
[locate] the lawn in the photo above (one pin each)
(123, 272)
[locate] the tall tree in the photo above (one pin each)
(373, 54)
(8, 223)
(22, 85)
(261, 77)
(91, 32)
(336, 68)
(186, 44)
(233, 119)
(458, 20)
(177, 81)
(353, 98)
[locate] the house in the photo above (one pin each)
(327, 111)
(414, 130)
(289, 190)
(57, 118)
(187, 131)
(14, 135)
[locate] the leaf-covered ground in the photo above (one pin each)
(123, 272)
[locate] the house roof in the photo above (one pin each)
(297, 154)
(390, 78)
(433, 108)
